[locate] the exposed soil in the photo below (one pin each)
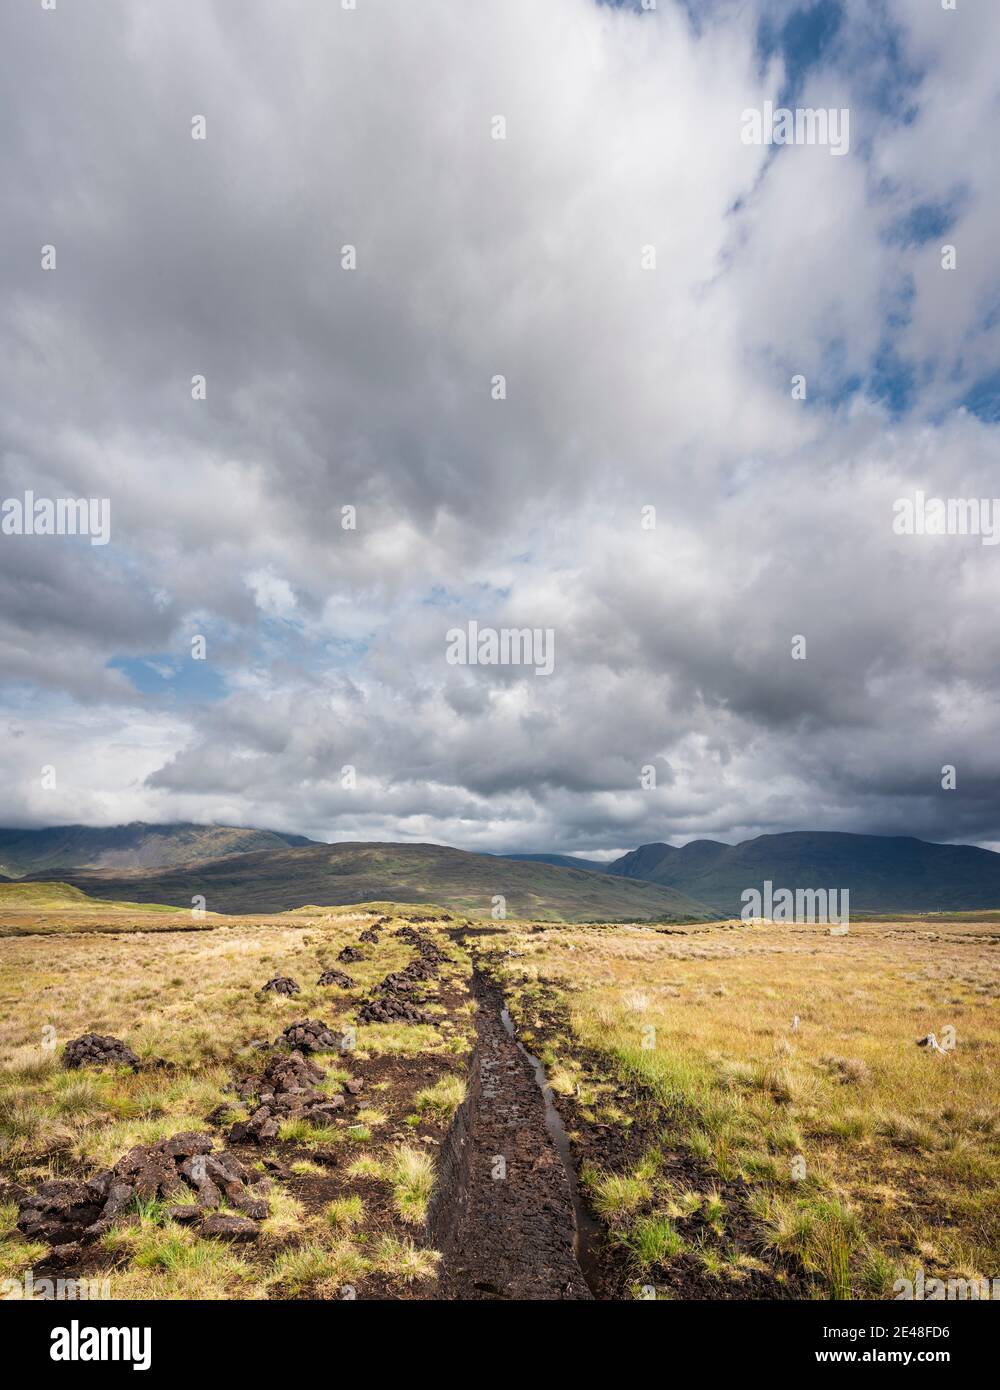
(616, 1148)
(65, 1212)
(394, 1081)
(281, 984)
(310, 1035)
(507, 1214)
(336, 977)
(96, 1050)
(503, 1215)
(287, 1090)
(289, 1084)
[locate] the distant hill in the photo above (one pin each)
(281, 879)
(135, 846)
(883, 873)
(247, 870)
(41, 895)
(561, 861)
(45, 894)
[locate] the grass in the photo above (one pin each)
(401, 1039)
(652, 1241)
(860, 1151)
(301, 1131)
(461, 883)
(615, 1195)
(306, 1168)
(287, 1218)
(370, 1117)
(404, 1260)
(56, 894)
(346, 1212)
(188, 1004)
(411, 1173)
(834, 1150)
(442, 1099)
(16, 1253)
(58, 909)
(324, 1270)
(367, 1166)
(168, 1261)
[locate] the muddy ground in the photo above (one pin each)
(509, 1214)
(615, 1148)
(503, 1216)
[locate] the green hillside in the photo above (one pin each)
(279, 880)
(563, 861)
(58, 848)
(53, 894)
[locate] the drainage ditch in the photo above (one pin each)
(507, 1215)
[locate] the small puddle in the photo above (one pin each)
(587, 1229)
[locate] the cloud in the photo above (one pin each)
(627, 387)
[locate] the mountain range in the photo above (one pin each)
(882, 873)
(240, 869)
(275, 880)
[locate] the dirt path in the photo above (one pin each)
(503, 1215)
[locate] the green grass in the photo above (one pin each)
(59, 894)
(411, 1173)
(824, 1232)
(653, 1240)
(345, 1212)
(302, 1132)
(442, 1099)
(403, 1259)
(317, 1268)
(616, 1195)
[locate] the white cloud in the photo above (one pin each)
(371, 388)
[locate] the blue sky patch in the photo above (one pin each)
(169, 676)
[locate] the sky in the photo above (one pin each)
(649, 286)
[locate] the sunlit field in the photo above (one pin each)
(347, 1203)
(782, 1064)
(750, 1113)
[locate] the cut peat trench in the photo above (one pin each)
(506, 1215)
(587, 1230)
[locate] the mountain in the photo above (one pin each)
(59, 848)
(280, 879)
(246, 870)
(883, 873)
(561, 861)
